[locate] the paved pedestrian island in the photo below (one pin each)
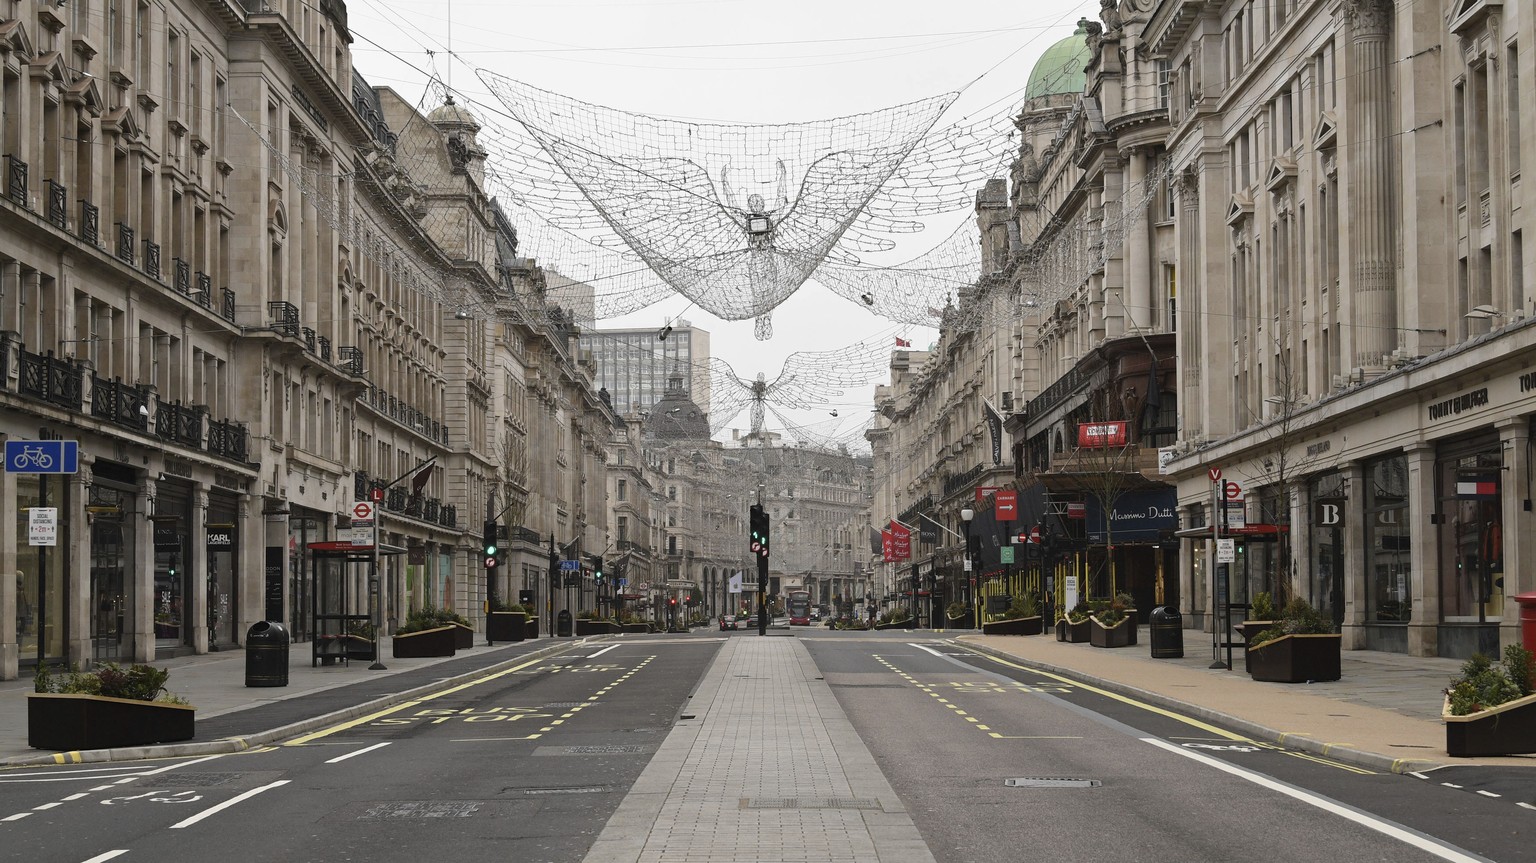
(706, 796)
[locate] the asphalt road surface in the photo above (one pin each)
(995, 762)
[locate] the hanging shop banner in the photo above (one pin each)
(1101, 435)
(1477, 485)
(901, 542)
(887, 546)
(995, 429)
(1136, 516)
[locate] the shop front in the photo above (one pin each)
(111, 509)
(222, 549)
(172, 590)
(42, 565)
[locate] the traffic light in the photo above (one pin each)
(492, 553)
(672, 602)
(759, 524)
(597, 569)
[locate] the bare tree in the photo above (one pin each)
(1105, 470)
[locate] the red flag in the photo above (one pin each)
(887, 549)
(902, 343)
(901, 542)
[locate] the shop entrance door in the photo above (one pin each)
(106, 589)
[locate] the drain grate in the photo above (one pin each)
(421, 809)
(1033, 782)
(809, 803)
(598, 749)
(566, 705)
(578, 789)
(195, 780)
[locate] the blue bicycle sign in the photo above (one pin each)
(42, 456)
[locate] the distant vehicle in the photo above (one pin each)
(798, 605)
(727, 622)
(815, 614)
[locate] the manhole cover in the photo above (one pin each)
(582, 789)
(195, 780)
(598, 749)
(1051, 783)
(422, 809)
(809, 803)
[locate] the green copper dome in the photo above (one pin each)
(1060, 68)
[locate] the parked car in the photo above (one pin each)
(729, 622)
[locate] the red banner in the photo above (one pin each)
(983, 490)
(1101, 435)
(1006, 505)
(887, 546)
(901, 542)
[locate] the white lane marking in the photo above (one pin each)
(1417, 775)
(76, 796)
(47, 806)
(359, 752)
(102, 858)
(1386, 828)
(925, 648)
(1525, 805)
(103, 788)
(123, 781)
(182, 764)
(17, 817)
(1489, 794)
(239, 798)
(1449, 785)
(601, 652)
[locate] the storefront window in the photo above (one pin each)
(1388, 564)
(171, 571)
(111, 549)
(39, 575)
(1471, 534)
(221, 574)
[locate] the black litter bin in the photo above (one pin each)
(266, 654)
(563, 624)
(1167, 633)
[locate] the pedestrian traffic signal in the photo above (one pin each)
(758, 520)
(597, 569)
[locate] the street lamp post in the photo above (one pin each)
(970, 565)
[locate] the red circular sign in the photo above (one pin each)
(1215, 474)
(377, 494)
(1232, 490)
(1034, 535)
(362, 510)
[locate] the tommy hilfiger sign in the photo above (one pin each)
(1456, 404)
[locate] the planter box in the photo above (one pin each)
(900, 624)
(637, 628)
(1296, 659)
(463, 636)
(429, 642)
(358, 647)
(1122, 634)
(1074, 633)
(506, 626)
(596, 627)
(1017, 626)
(532, 627)
(1251, 628)
(963, 621)
(80, 722)
(1509, 729)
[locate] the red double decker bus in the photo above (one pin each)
(798, 604)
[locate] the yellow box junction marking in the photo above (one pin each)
(929, 688)
(594, 697)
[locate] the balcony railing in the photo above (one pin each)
(205, 290)
(53, 379)
(325, 348)
(179, 423)
(152, 259)
(448, 516)
(227, 308)
(58, 206)
(16, 180)
(961, 480)
(125, 244)
(227, 439)
(309, 340)
(1054, 394)
(90, 223)
(350, 359)
(285, 318)
(181, 281)
(122, 404)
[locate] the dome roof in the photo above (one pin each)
(1060, 69)
(675, 417)
(452, 113)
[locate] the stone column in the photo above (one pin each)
(10, 646)
(250, 564)
(78, 575)
(1423, 555)
(1519, 574)
(1136, 263)
(139, 618)
(1372, 217)
(1190, 302)
(197, 567)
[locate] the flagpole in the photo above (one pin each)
(376, 581)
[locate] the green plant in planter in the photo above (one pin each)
(136, 682)
(1297, 618)
(957, 609)
(1483, 684)
(1080, 612)
(429, 617)
(1112, 611)
(1263, 607)
(360, 630)
(586, 615)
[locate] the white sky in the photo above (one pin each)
(737, 61)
